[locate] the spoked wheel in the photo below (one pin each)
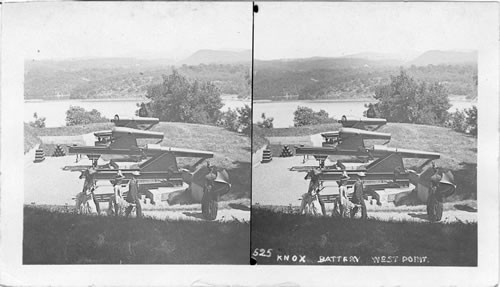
(434, 208)
(209, 205)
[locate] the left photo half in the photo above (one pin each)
(137, 120)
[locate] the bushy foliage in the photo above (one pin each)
(39, 121)
(245, 119)
(405, 100)
(371, 112)
(177, 99)
(229, 120)
(237, 120)
(266, 123)
(464, 121)
(472, 120)
(304, 116)
(79, 116)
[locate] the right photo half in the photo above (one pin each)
(365, 134)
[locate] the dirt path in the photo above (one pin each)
(273, 184)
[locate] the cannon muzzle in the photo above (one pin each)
(362, 123)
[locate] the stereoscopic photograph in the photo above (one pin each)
(365, 135)
(137, 120)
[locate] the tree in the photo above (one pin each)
(371, 112)
(237, 120)
(464, 121)
(178, 100)
(304, 116)
(457, 121)
(266, 123)
(472, 120)
(79, 116)
(229, 120)
(245, 119)
(39, 121)
(406, 101)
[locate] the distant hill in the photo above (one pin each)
(218, 57)
(444, 57)
(373, 56)
(120, 77)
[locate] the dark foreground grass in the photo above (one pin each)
(316, 238)
(52, 237)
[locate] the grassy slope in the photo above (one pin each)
(458, 151)
(444, 244)
(232, 151)
(31, 138)
(74, 130)
(51, 237)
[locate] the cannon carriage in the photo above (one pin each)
(387, 178)
(158, 174)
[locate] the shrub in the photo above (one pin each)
(39, 121)
(267, 123)
(304, 116)
(79, 116)
(464, 121)
(237, 120)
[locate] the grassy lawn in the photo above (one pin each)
(51, 237)
(452, 244)
(458, 152)
(31, 138)
(74, 130)
(299, 131)
(232, 151)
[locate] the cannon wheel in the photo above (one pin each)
(209, 206)
(434, 208)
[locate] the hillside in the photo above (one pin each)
(358, 75)
(445, 58)
(121, 78)
(218, 57)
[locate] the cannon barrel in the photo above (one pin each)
(149, 150)
(350, 121)
(326, 151)
(376, 151)
(123, 131)
(379, 151)
(135, 122)
(346, 132)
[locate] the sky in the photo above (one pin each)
(302, 30)
(58, 30)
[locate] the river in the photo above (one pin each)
(282, 111)
(55, 110)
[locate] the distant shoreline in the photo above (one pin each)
(126, 99)
(317, 101)
(86, 100)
